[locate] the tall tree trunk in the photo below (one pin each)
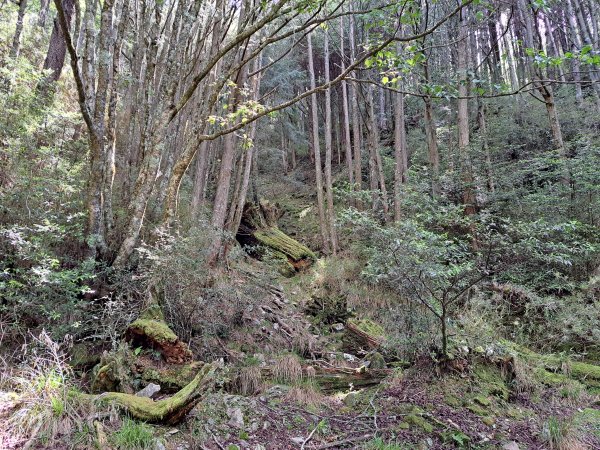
(317, 149)
(328, 151)
(431, 136)
(400, 153)
(57, 49)
(16, 42)
(346, 114)
(354, 92)
(469, 200)
(543, 88)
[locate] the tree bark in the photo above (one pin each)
(468, 195)
(317, 150)
(16, 42)
(328, 152)
(401, 159)
(57, 49)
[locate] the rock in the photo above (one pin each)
(337, 326)
(236, 418)
(149, 391)
(489, 421)
(158, 445)
(482, 400)
(348, 357)
(512, 445)
(351, 399)
(297, 440)
(377, 361)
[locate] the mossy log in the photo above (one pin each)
(337, 379)
(587, 374)
(258, 228)
(362, 336)
(169, 410)
(341, 379)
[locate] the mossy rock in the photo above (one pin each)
(491, 381)
(489, 421)
(377, 361)
(482, 400)
(477, 410)
(418, 421)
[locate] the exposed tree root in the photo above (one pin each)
(170, 410)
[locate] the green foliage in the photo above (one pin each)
(134, 435)
(39, 285)
(379, 444)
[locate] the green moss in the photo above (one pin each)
(588, 374)
(482, 400)
(417, 421)
(403, 426)
(452, 400)
(157, 330)
(277, 240)
(491, 381)
(476, 409)
(377, 361)
(489, 421)
(172, 379)
(549, 378)
(369, 327)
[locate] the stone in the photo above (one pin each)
(377, 361)
(236, 418)
(512, 445)
(337, 326)
(298, 440)
(158, 445)
(348, 357)
(149, 391)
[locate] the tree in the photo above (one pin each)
(317, 150)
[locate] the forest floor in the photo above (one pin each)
(298, 376)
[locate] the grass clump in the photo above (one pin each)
(379, 444)
(561, 435)
(287, 369)
(305, 393)
(134, 435)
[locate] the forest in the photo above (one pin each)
(299, 224)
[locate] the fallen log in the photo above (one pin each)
(258, 230)
(169, 410)
(328, 379)
(362, 336)
(343, 379)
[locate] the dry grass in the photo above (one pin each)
(305, 393)
(41, 408)
(524, 377)
(249, 381)
(288, 369)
